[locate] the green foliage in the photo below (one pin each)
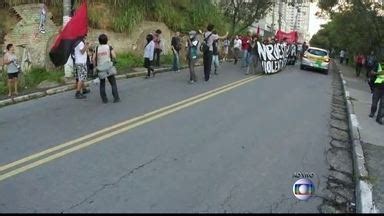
(125, 61)
(166, 59)
(32, 78)
(124, 15)
(242, 14)
(37, 75)
(3, 82)
(356, 26)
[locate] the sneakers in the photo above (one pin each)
(86, 91)
(191, 82)
(371, 115)
(116, 100)
(379, 121)
(80, 96)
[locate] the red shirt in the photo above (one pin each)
(245, 43)
(360, 59)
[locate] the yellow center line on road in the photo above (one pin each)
(85, 141)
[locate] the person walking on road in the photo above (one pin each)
(370, 65)
(192, 55)
(346, 57)
(359, 63)
(215, 54)
(207, 48)
(245, 42)
(103, 59)
(378, 94)
(13, 69)
(148, 55)
(176, 47)
(236, 48)
(342, 56)
(226, 44)
(304, 48)
(158, 47)
(80, 62)
(254, 58)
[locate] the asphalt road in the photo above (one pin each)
(235, 151)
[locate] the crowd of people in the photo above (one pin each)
(91, 61)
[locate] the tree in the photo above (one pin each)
(243, 13)
(355, 25)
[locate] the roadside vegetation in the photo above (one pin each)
(355, 25)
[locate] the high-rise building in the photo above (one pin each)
(293, 18)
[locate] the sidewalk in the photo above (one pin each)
(136, 72)
(370, 134)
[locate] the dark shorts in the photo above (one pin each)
(13, 75)
(147, 63)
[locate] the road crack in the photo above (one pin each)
(108, 185)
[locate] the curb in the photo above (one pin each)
(70, 87)
(364, 198)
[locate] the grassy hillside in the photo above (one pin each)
(124, 15)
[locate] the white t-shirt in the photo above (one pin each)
(79, 57)
(237, 43)
(149, 50)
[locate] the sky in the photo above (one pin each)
(314, 21)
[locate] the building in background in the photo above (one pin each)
(293, 17)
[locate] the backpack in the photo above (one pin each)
(204, 45)
(110, 55)
(193, 52)
(107, 69)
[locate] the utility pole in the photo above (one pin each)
(273, 17)
(280, 13)
(67, 8)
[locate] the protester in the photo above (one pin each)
(149, 49)
(80, 65)
(158, 47)
(254, 57)
(90, 65)
(104, 62)
(304, 48)
(378, 93)
(342, 56)
(215, 54)
(176, 47)
(245, 41)
(236, 48)
(359, 63)
(43, 18)
(346, 54)
(192, 55)
(207, 48)
(370, 65)
(226, 44)
(13, 69)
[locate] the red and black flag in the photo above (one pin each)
(75, 30)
